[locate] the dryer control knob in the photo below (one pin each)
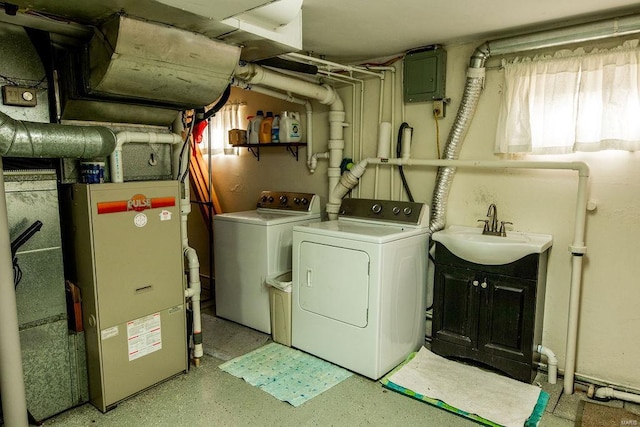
(395, 210)
(283, 199)
(296, 200)
(376, 208)
(407, 211)
(263, 199)
(270, 199)
(305, 201)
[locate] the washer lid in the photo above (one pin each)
(360, 231)
(261, 217)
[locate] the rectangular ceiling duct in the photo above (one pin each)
(131, 66)
(142, 60)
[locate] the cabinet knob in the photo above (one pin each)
(475, 283)
(483, 285)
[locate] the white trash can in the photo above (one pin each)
(280, 307)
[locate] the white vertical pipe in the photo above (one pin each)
(14, 403)
(578, 250)
(392, 173)
(380, 107)
(384, 133)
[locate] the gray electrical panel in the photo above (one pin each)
(424, 74)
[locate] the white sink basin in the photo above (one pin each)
(470, 244)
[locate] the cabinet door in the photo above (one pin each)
(506, 319)
(455, 306)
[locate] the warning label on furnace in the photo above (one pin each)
(144, 336)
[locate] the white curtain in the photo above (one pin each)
(229, 117)
(573, 101)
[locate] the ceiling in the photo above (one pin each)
(345, 31)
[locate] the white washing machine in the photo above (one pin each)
(250, 246)
(359, 285)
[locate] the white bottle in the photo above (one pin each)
(290, 130)
(275, 129)
(253, 130)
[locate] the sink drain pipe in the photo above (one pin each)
(552, 363)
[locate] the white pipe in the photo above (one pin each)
(325, 94)
(610, 393)
(14, 403)
(577, 247)
(313, 162)
(407, 133)
(380, 108)
(330, 64)
(256, 74)
(552, 363)
(193, 291)
(289, 98)
(124, 137)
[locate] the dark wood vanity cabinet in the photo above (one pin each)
(489, 313)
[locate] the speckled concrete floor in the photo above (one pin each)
(207, 396)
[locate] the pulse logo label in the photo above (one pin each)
(137, 203)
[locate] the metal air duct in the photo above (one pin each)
(145, 73)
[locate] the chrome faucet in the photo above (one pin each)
(491, 224)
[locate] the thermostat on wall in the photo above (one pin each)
(19, 96)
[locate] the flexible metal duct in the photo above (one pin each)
(30, 139)
(444, 178)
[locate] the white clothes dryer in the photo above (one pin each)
(359, 285)
(250, 246)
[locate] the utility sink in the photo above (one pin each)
(471, 245)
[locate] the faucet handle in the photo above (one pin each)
(503, 232)
(486, 224)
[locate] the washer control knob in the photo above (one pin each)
(475, 283)
(270, 199)
(395, 210)
(376, 208)
(263, 199)
(407, 211)
(283, 199)
(305, 201)
(296, 200)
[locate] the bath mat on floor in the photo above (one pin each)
(597, 415)
(225, 340)
(286, 373)
(471, 392)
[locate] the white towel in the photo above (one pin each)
(494, 397)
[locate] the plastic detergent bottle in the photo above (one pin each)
(253, 129)
(264, 136)
(290, 130)
(275, 129)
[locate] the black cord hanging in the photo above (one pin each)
(403, 126)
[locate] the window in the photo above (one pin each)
(229, 117)
(573, 101)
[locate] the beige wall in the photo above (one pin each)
(535, 201)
